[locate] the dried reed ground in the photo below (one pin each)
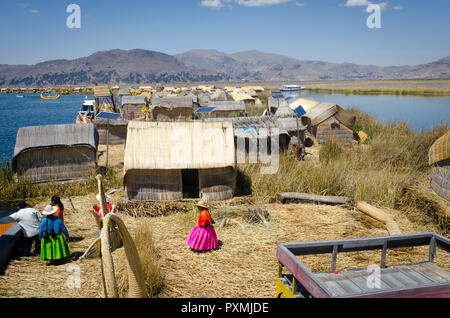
(245, 266)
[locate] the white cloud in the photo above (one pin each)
(215, 4)
(260, 3)
(299, 4)
(211, 3)
(398, 7)
(34, 11)
(357, 3)
(364, 3)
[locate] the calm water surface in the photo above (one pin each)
(422, 113)
(31, 111)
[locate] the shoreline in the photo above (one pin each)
(420, 88)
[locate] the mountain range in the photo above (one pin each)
(143, 66)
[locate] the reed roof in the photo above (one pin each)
(227, 106)
(324, 111)
(29, 138)
(102, 91)
(173, 102)
(179, 145)
(134, 100)
(440, 150)
(307, 104)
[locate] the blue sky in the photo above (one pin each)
(412, 31)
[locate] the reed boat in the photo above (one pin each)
(57, 96)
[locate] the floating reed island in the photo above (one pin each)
(342, 174)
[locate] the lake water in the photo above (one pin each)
(422, 113)
(32, 111)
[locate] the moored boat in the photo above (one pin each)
(292, 88)
(50, 97)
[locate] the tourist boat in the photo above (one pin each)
(20, 96)
(87, 111)
(88, 107)
(292, 88)
(50, 97)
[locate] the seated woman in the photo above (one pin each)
(54, 236)
(203, 237)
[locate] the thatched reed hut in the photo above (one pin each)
(123, 91)
(439, 158)
(247, 99)
(132, 106)
(227, 109)
(306, 104)
(55, 153)
(172, 108)
(262, 129)
(117, 131)
(174, 161)
(328, 120)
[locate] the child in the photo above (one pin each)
(98, 209)
(54, 236)
(203, 237)
(56, 202)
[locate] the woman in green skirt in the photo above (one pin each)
(54, 236)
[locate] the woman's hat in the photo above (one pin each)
(202, 204)
(99, 199)
(49, 210)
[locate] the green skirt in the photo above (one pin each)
(54, 248)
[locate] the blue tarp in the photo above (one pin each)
(204, 110)
(110, 116)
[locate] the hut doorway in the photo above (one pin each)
(191, 183)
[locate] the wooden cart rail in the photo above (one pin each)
(316, 287)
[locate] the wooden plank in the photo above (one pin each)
(417, 276)
(434, 272)
(336, 289)
(391, 281)
(404, 279)
(360, 279)
(306, 197)
(441, 291)
(349, 286)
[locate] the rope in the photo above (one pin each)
(136, 281)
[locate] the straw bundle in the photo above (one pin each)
(440, 150)
(136, 279)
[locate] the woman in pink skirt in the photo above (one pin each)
(203, 237)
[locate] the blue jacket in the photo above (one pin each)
(52, 222)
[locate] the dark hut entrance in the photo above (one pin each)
(191, 183)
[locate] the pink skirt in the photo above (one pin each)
(202, 239)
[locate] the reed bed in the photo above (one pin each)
(396, 157)
(11, 190)
(246, 265)
(397, 91)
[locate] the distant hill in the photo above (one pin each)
(115, 66)
(143, 66)
(254, 65)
